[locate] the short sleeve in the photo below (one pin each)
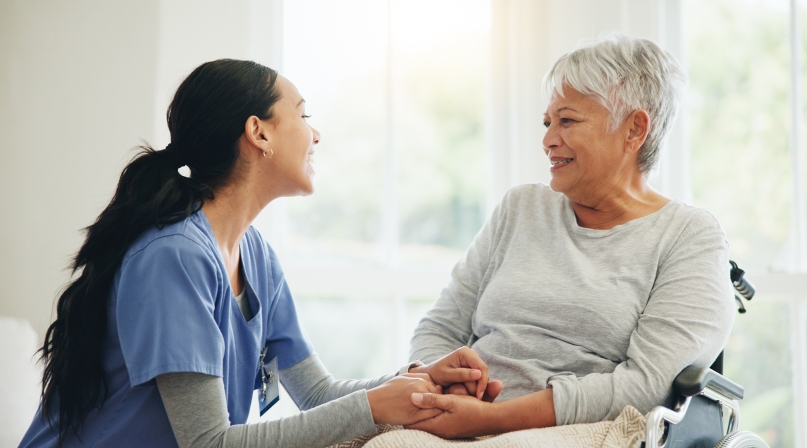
(166, 310)
(285, 337)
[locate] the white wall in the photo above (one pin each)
(75, 83)
(81, 82)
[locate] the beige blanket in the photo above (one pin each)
(627, 430)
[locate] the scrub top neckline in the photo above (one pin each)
(248, 289)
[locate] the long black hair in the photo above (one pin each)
(206, 119)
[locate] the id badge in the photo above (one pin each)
(269, 393)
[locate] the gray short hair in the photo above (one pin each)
(625, 74)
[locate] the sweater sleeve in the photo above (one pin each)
(447, 326)
(196, 406)
(686, 321)
(310, 384)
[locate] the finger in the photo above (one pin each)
(494, 389)
(457, 389)
(471, 386)
(425, 414)
(426, 401)
(427, 425)
(432, 388)
(471, 359)
(421, 376)
(461, 375)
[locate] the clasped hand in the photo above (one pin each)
(461, 372)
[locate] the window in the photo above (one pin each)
(745, 135)
(406, 174)
(397, 90)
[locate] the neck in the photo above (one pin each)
(230, 214)
(618, 205)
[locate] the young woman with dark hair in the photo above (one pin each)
(179, 309)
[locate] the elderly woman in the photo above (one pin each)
(593, 293)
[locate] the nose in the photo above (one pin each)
(551, 138)
(316, 136)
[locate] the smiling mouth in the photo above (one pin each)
(311, 157)
(561, 162)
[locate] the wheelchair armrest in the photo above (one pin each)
(693, 380)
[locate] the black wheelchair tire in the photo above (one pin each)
(741, 439)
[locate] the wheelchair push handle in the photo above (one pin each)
(742, 286)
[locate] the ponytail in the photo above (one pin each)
(206, 118)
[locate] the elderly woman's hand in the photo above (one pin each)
(463, 365)
(462, 416)
(465, 416)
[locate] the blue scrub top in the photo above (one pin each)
(171, 309)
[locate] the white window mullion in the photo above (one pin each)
(389, 199)
(798, 335)
(799, 220)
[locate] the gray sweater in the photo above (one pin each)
(607, 318)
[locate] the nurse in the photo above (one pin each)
(179, 308)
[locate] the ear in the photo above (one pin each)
(256, 133)
(638, 124)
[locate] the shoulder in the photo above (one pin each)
(692, 220)
(530, 201)
(691, 232)
(528, 196)
(261, 261)
(259, 249)
(536, 192)
(184, 240)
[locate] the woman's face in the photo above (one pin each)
(292, 142)
(586, 160)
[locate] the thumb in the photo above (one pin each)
(427, 401)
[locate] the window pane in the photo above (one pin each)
(758, 358)
(739, 123)
(382, 78)
(439, 66)
(335, 53)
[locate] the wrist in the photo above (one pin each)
(372, 400)
(495, 417)
(414, 367)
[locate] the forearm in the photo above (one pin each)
(535, 410)
(197, 410)
(309, 384)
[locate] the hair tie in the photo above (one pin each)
(172, 152)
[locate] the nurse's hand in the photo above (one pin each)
(391, 402)
(491, 392)
(463, 365)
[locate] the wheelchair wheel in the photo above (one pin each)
(741, 439)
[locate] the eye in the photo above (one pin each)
(566, 121)
(546, 124)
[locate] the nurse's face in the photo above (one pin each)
(292, 143)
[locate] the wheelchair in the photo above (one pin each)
(696, 417)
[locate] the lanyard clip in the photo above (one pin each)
(267, 376)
